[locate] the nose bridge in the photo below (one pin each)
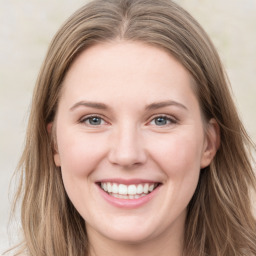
(127, 145)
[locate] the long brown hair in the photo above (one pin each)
(220, 221)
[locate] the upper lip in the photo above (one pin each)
(127, 181)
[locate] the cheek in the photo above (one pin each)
(80, 154)
(178, 154)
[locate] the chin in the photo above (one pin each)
(133, 237)
(132, 234)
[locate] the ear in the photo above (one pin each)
(52, 134)
(211, 144)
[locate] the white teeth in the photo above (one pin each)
(128, 191)
(114, 188)
(109, 187)
(145, 189)
(132, 190)
(151, 188)
(105, 186)
(122, 189)
(127, 196)
(139, 189)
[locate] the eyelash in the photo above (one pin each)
(90, 117)
(167, 118)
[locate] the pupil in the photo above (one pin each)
(161, 121)
(94, 121)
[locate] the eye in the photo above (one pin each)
(93, 121)
(162, 121)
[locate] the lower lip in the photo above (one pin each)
(128, 203)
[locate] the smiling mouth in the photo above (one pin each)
(132, 191)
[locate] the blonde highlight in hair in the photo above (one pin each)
(220, 220)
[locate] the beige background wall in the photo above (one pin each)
(26, 28)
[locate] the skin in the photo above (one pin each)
(128, 142)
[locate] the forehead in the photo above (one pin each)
(130, 70)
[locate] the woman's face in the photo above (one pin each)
(131, 141)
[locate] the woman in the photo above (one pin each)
(134, 145)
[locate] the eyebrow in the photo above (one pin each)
(162, 104)
(90, 104)
(152, 106)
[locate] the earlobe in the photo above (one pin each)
(49, 128)
(212, 143)
(56, 156)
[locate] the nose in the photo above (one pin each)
(127, 149)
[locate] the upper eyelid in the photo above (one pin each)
(86, 117)
(171, 117)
